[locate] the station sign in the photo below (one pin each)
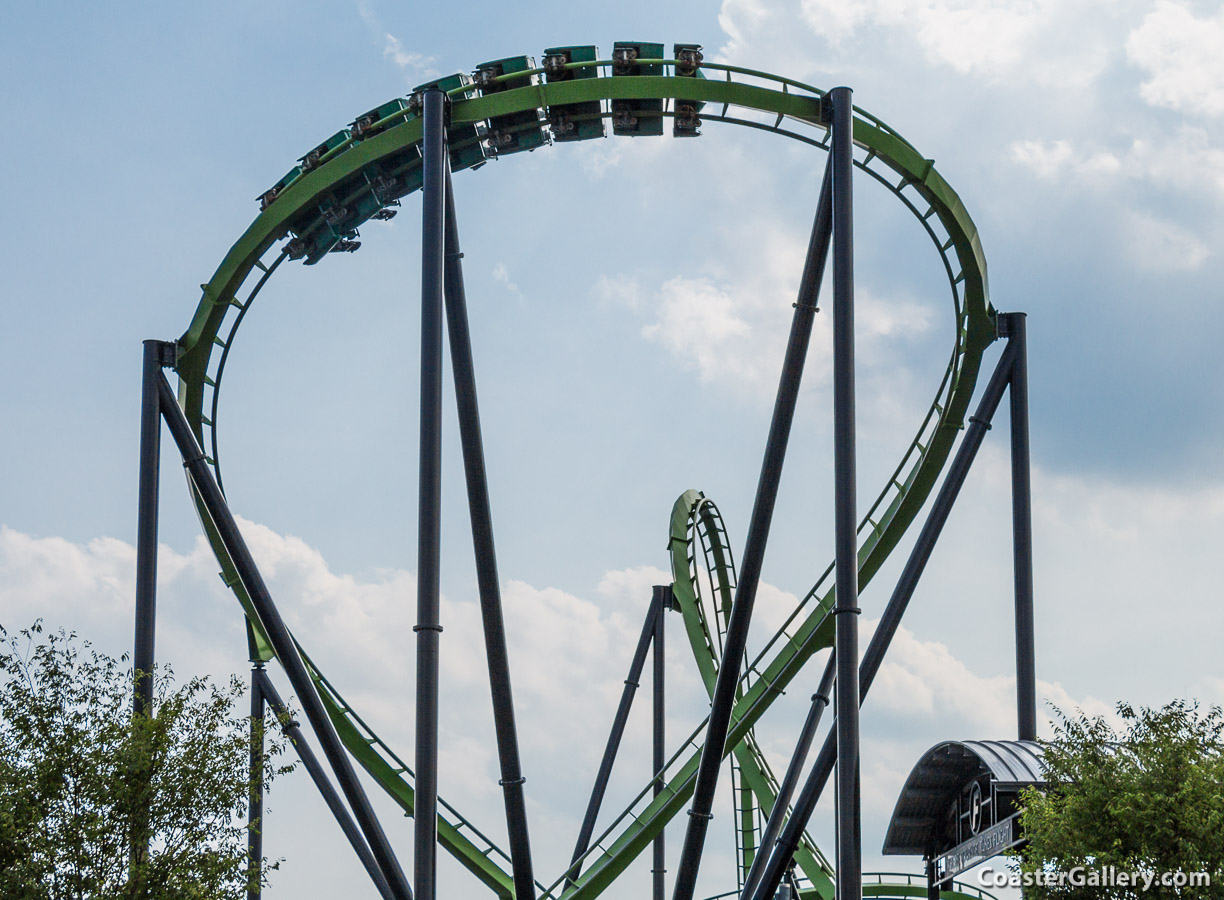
(996, 839)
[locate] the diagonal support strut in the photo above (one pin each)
(280, 638)
(805, 804)
(489, 585)
(754, 551)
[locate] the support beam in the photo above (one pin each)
(632, 682)
(429, 510)
(662, 603)
(255, 806)
(754, 552)
(805, 804)
(849, 840)
(487, 579)
(281, 640)
(156, 355)
(1013, 326)
(292, 731)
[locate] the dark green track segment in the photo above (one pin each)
(694, 519)
(355, 178)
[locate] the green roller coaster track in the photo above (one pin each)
(344, 173)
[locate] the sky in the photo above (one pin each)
(629, 303)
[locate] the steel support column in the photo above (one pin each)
(156, 355)
(614, 738)
(255, 805)
(429, 510)
(487, 579)
(280, 638)
(849, 841)
(290, 728)
(805, 804)
(1013, 325)
(662, 603)
(754, 551)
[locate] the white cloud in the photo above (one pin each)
(569, 653)
(723, 332)
(502, 276)
(924, 680)
(1126, 578)
(90, 588)
(50, 572)
(701, 324)
(876, 319)
(739, 20)
(1016, 39)
(1183, 56)
(1161, 245)
(969, 37)
(419, 65)
(730, 324)
(416, 65)
(733, 331)
(1183, 164)
(1056, 159)
(1185, 160)
(598, 157)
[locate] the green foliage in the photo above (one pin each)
(1149, 800)
(80, 775)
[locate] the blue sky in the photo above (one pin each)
(629, 303)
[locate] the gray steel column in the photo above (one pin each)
(255, 808)
(723, 698)
(662, 602)
(614, 738)
(155, 354)
(805, 804)
(786, 790)
(849, 841)
(290, 728)
(1022, 528)
(487, 579)
(428, 628)
(280, 638)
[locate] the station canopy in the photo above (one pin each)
(925, 821)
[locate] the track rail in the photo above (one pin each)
(732, 95)
(697, 527)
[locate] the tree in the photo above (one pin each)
(79, 773)
(1148, 801)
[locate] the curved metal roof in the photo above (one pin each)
(943, 771)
